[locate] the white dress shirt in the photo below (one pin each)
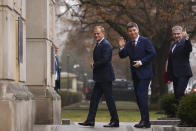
(100, 41)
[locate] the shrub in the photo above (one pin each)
(169, 105)
(187, 110)
(68, 97)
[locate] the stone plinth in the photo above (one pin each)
(16, 110)
(48, 105)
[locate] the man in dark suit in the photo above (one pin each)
(141, 52)
(57, 70)
(103, 75)
(179, 69)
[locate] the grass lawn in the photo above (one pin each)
(102, 105)
(103, 116)
(127, 111)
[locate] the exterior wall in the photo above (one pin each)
(40, 77)
(40, 37)
(36, 59)
(9, 68)
(22, 107)
(16, 110)
(7, 44)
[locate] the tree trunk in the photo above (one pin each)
(158, 87)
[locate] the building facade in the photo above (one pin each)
(27, 34)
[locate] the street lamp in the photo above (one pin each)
(68, 71)
(84, 81)
(76, 66)
(85, 74)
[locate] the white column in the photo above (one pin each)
(40, 81)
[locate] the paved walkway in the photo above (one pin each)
(124, 126)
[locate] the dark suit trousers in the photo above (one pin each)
(57, 85)
(98, 90)
(141, 93)
(180, 84)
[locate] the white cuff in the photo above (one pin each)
(140, 62)
(187, 38)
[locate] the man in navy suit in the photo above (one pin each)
(103, 75)
(57, 70)
(179, 69)
(141, 52)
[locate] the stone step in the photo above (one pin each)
(167, 118)
(172, 128)
(79, 128)
(164, 122)
(162, 128)
(124, 126)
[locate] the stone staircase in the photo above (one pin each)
(124, 126)
(160, 125)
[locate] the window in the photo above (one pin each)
(20, 40)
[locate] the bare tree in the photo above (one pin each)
(155, 19)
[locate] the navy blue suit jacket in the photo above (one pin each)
(178, 61)
(57, 68)
(145, 52)
(102, 68)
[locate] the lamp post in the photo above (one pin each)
(68, 71)
(84, 81)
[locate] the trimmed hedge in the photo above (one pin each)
(187, 110)
(68, 98)
(169, 104)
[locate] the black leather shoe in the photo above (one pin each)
(87, 123)
(143, 124)
(112, 124)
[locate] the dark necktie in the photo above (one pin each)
(133, 45)
(173, 48)
(97, 44)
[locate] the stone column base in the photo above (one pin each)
(47, 105)
(16, 107)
